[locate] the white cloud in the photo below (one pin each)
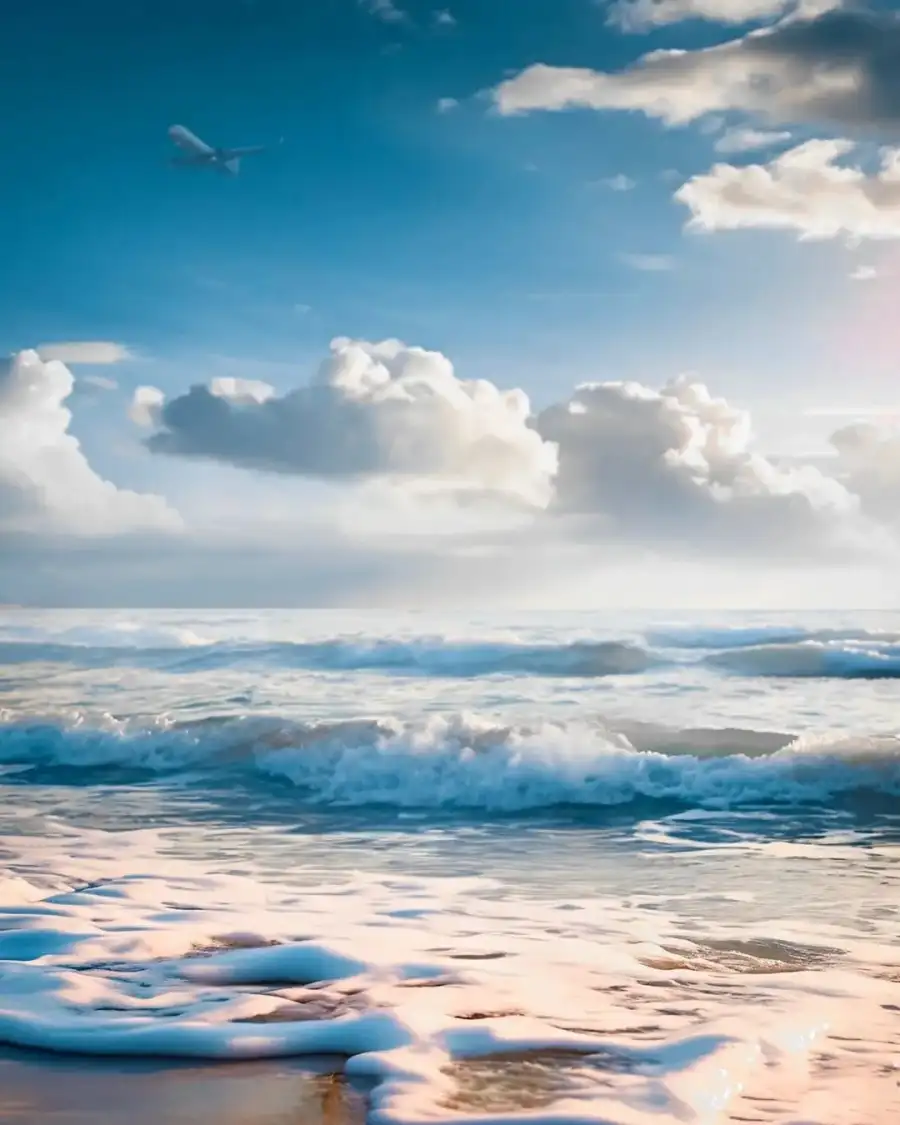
(804, 190)
(616, 465)
(842, 67)
(385, 10)
(445, 105)
(613, 476)
(146, 403)
(97, 382)
(649, 263)
(749, 140)
(619, 182)
(85, 351)
(864, 273)
(46, 483)
(445, 18)
(641, 15)
(678, 465)
(374, 410)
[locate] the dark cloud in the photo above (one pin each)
(841, 67)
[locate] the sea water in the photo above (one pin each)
(568, 868)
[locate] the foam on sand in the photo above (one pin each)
(625, 1017)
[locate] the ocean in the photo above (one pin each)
(622, 869)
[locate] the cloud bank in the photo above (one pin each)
(617, 475)
(617, 463)
(46, 483)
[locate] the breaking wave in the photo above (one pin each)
(467, 762)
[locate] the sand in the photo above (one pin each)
(40, 1089)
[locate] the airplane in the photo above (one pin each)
(199, 154)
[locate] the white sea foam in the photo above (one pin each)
(647, 1020)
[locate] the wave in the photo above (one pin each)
(467, 762)
(688, 637)
(432, 656)
(813, 659)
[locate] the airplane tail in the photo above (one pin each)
(233, 166)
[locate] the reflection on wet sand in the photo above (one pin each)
(525, 1080)
(37, 1089)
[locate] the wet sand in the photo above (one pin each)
(41, 1089)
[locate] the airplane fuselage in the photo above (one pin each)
(195, 152)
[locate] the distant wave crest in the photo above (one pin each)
(765, 650)
(431, 656)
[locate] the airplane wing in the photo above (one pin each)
(248, 150)
(188, 142)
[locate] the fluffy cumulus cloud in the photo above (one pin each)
(678, 465)
(641, 15)
(46, 483)
(840, 67)
(373, 410)
(615, 464)
(804, 190)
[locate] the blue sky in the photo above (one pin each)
(500, 241)
(490, 238)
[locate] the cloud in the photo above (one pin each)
(46, 483)
(85, 351)
(841, 67)
(804, 190)
(615, 465)
(385, 10)
(619, 182)
(864, 273)
(748, 140)
(445, 18)
(649, 263)
(445, 105)
(373, 410)
(642, 15)
(146, 403)
(869, 457)
(97, 383)
(386, 480)
(677, 465)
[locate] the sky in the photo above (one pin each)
(539, 302)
